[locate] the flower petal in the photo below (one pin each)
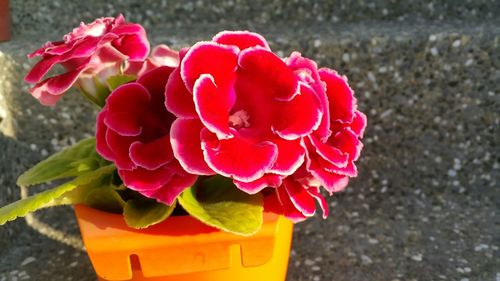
(328, 152)
(134, 43)
(300, 198)
(138, 68)
(253, 101)
(220, 61)
(358, 124)
(125, 104)
(154, 81)
(106, 54)
(169, 192)
(290, 156)
(40, 69)
(342, 101)
(307, 71)
(140, 179)
(212, 104)
(253, 187)
(349, 170)
(94, 29)
(61, 83)
(101, 144)
(186, 146)
(330, 181)
(241, 39)
(45, 49)
(59, 48)
(272, 204)
(183, 52)
(237, 157)
(40, 92)
(178, 99)
(49, 91)
(163, 55)
(82, 49)
(299, 116)
(347, 141)
(314, 192)
(152, 155)
(289, 209)
(119, 145)
(271, 70)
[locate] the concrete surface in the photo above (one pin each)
(426, 205)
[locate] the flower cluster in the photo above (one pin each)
(90, 54)
(133, 131)
(229, 107)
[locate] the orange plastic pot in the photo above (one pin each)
(182, 248)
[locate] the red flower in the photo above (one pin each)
(95, 50)
(298, 199)
(133, 132)
(242, 111)
(332, 148)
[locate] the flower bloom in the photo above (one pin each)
(161, 55)
(242, 112)
(332, 148)
(133, 132)
(91, 52)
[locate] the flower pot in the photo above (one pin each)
(183, 248)
(4, 20)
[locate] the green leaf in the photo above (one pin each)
(117, 80)
(100, 194)
(104, 198)
(95, 91)
(70, 162)
(46, 198)
(216, 201)
(142, 213)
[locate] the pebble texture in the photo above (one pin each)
(29, 15)
(426, 205)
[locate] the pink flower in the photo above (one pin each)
(95, 50)
(133, 132)
(242, 111)
(161, 55)
(332, 148)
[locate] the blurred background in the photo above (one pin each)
(426, 205)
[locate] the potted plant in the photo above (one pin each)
(202, 159)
